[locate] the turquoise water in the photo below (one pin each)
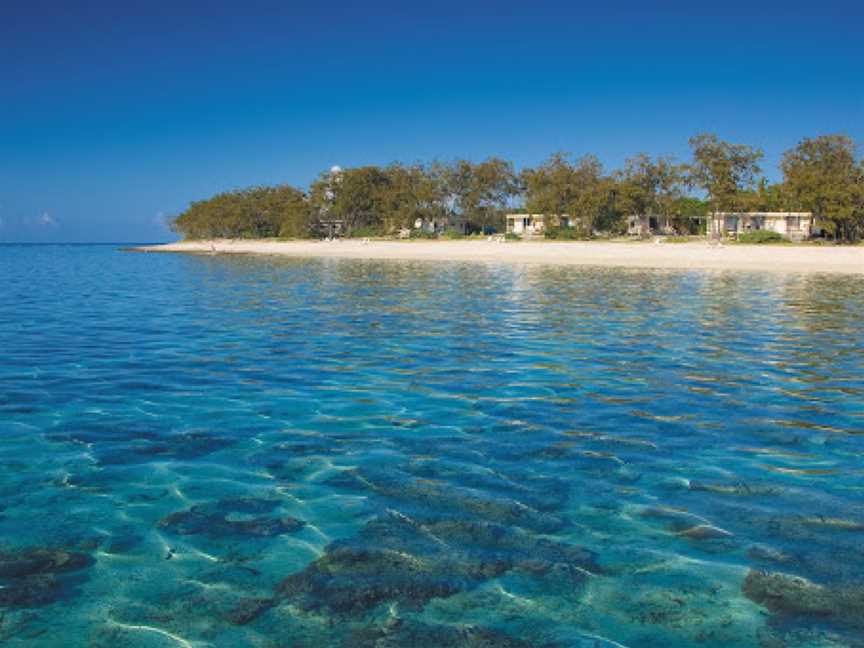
(217, 451)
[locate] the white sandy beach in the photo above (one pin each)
(682, 256)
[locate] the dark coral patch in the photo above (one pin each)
(123, 543)
(522, 549)
(421, 495)
(539, 492)
(34, 562)
(248, 610)
(786, 595)
(397, 559)
(401, 632)
(132, 449)
(37, 577)
(224, 518)
(351, 580)
(184, 446)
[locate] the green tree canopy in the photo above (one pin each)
(413, 192)
(480, 192)
(821, 175)
(258, 212)
(724, 171)
(358, 197)
(650, 187)
(577, 189)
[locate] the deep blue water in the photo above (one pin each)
(230, 451)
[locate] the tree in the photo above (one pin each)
(821, 175)
(650, 187)
(413, 192)
(296, 214)
(577, 189)
(767, 197)
(480, 192)
(592, 196)
(357, 196)
(549, 189)
(724, 171)
(257, 212)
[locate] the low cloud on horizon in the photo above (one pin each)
(45, 226)
(38, 227)
(44, 220)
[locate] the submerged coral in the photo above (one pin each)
(738, 488)
(37, 577)
(704, 532)
(400, 632)
(221, 519)
(395, 559)
(427, 495)
(787, 595)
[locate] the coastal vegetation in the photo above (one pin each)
(761, 237)
(822, 175)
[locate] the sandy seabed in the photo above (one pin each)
(681, 256)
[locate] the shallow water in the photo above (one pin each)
(233, 451)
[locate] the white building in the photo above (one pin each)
(536, 224)
(795, 226)
(439, 225)
(647, 225)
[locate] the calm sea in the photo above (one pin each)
(230, 451)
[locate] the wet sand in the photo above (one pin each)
(680, 256)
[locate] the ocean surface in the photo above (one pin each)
(237, 451)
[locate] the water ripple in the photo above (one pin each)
(234, 451)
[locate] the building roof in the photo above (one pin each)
(765, 214)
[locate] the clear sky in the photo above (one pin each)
(115, 115)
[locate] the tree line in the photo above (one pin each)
(822, 175)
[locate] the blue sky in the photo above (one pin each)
(115, 115)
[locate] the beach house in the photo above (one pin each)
(645, 225)
(528, 225)
(439, 224)
(430, 225)
(329, 227)
(648, 225)
(795, 226)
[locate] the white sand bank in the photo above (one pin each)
(683, 256)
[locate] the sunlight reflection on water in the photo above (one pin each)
(240, 451)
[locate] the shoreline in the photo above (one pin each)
(671, 256)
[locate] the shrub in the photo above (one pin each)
(566, 234)
(761, 236)
(452, 234)
(510, 236)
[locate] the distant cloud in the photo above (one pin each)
(37, 227)
(161, 222)
(45, 220)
